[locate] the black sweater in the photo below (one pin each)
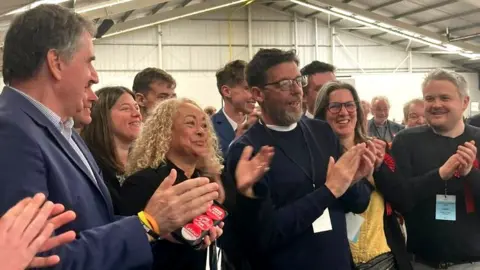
(136, 192)
(275, 229)
(419, 153)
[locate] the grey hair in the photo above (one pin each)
(406, 107)
(376, 98)
(34, 33)
(451, 76)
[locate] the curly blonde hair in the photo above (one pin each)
(154, 141)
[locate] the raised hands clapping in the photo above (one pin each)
(250, 170)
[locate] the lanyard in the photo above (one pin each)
(310, 155)
(387, 128)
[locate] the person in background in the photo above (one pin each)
(367, 109)
(151, 86)
(318, 74)
(178, 136)
(44, 91)
(83, 117)
(210, 110)
(26, 229)
(379, 126)
(380, 244)
(294, 216)
(437, 187)
(238, 103)
(116, 124)
(414, 113)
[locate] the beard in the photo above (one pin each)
(279, 115)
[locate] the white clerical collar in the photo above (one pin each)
(308, 114)
(230, 120)
(282, 128)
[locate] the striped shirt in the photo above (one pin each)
(65, 128)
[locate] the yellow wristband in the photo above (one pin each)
(141, 216)
(152, 222)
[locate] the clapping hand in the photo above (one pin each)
(467, 154)
(341, 173)
(367, 162)
(380, 149)
(172, 206)
(27, 229)
(250, 170)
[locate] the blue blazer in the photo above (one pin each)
(224, 130)
(36, 157)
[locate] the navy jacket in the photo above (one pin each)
(276, 227)
(224, 130)
(36, 157)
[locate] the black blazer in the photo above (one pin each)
(136, 191)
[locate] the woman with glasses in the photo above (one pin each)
(379, 243)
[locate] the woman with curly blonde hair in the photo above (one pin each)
(178, 135)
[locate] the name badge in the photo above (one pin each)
(323, 223)
(445, 208)
(354, 223)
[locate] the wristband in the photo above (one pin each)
(147, 226)
(152, 222)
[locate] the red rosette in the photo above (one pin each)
(215, 212)
(203, 222)
(191, 232)
(389, 161)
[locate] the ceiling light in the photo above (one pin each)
(100, 6)
(435, 43)
(175, 18)
(341, 11)
(35, 4)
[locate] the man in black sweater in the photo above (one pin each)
(294, 217)
(437, 181)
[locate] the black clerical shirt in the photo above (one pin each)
(419, 153)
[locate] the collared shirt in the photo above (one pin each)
(230, 120)
(65, 128)
(308, 114)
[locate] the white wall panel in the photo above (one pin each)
(125, 57)
(272, 33)
(194, 48)
(145, 35)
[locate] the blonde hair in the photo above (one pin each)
(154, 141)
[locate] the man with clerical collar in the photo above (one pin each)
(414, 113)
(294, 217)
(437, 185)
(379, 126)
(318, 74)
(238, 103)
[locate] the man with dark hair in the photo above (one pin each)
(294, 217)
(237, 103)
(318, 74)
(153, 85)
(47, 66)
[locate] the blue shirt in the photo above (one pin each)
(65, 128)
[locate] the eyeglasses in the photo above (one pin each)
(336, 107)
(286, 85)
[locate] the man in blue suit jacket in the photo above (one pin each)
(238, 103)
(39, 151)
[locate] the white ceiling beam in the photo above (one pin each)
(358, 35)
(393, 22)
(171, 15)
(107, 9)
